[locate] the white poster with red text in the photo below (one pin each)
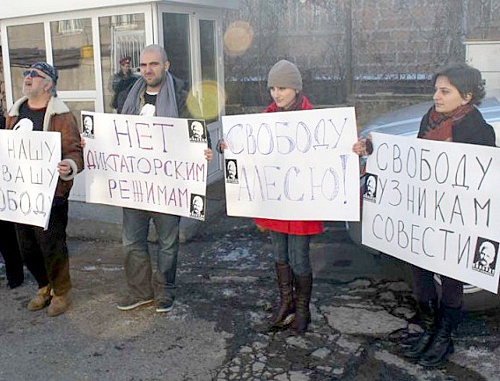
(149, 163)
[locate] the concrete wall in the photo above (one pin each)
(369, 106)
(406, 36)
(396, 45)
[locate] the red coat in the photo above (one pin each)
(291, 227)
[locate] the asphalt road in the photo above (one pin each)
(362, 313)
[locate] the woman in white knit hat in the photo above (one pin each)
(290, 239)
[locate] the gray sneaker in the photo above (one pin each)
(165, 306)
(129, 303)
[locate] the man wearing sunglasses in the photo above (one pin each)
(45, 251)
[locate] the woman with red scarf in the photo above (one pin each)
(453, 118)
(290, 239)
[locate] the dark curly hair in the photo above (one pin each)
(466, 79)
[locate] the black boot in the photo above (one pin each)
(284, 316)
(428, 312)
(11, 254)
(303, 289)
(442, 345)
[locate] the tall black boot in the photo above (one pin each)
(9, 249)
(442, 345)
(428, 312)
(303, 289)
(284, 316)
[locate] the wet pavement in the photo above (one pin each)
(362, 314)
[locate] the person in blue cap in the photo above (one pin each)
(45, 251)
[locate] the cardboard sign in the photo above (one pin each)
(29, 175)
(435, 205)
(147, 163)
(295, 165)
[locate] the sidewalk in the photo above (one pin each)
(361, 313)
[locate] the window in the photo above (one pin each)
(209, 89)
(72, 50)
(121, 36)
(70, 26)
(176, 43)
(26, 46)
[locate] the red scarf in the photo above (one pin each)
(301, 103)
(439, 125)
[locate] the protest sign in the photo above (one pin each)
(295, 165)
(435, 205)
(29, 175)
(147, 163)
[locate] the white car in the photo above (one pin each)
(406, 122)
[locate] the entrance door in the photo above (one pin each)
(193, 42)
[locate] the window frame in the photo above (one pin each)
(96, 96)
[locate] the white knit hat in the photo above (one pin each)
(284, 74)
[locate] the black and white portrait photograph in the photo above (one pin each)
(197, 209)
(370, 187)
(231, 171)
(197, 131)
(87, 126)
(485, 256)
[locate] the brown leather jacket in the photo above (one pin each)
(58, 118)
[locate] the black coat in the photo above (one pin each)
(121, 85)
(472, 129)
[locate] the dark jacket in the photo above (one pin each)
(121, 86)
(472, 129)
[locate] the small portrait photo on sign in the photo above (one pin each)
(197, 209)
(485, 256)
(370, 187)
(231, 171)
(88, 126)
(197, 131)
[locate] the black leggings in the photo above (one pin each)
(425, 289)
(10, 252)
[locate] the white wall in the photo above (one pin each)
(11, 9)
(485, 56)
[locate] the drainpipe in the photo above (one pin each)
(349, 79)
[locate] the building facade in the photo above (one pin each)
(85, 40)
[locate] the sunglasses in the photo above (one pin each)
(33, 74)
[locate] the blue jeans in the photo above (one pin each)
(294, 250)
(138, 270)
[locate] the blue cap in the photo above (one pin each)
(47, 69)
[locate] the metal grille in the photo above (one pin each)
(127, 43)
